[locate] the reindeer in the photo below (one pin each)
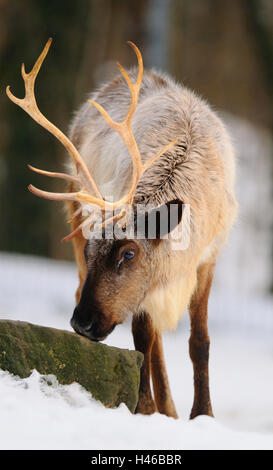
(157, 143)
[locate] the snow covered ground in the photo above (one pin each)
(37, 416)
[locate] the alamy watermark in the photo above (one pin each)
(170, 221)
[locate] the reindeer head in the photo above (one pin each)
(120, 271)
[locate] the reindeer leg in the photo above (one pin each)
(199, 341)
(79, 243)
(162, 392)
(143, 333)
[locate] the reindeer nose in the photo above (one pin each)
(81, 328)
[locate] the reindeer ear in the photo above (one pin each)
(159, 221)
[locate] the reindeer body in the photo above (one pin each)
(124, 148)
(199, 170)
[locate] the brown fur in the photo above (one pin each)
(149, 342)
(162, 392)
(199, 341)
(143, 333)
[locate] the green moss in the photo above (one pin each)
(112, 375)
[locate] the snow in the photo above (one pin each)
(35, 415)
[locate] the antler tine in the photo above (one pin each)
(77, 230)
(88, 221)
(140, 63)
(52, 196)
(28, 104)
(52, 174)
(76, 196)
(134, 89)
(113, 219)
(75, 214)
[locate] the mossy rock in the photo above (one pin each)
(111, 374)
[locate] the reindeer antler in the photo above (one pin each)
(89, 192)
(28, 103)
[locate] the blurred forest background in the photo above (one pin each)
(222, 50)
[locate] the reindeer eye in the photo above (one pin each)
(126, 255)
(129, 254)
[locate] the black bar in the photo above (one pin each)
(126, 459)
